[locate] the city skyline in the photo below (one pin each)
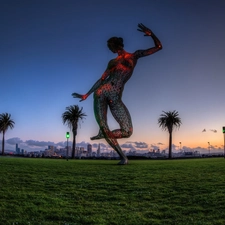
(31, 146)
(50, 50)
(87, 149)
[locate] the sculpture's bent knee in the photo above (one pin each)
(128, 133)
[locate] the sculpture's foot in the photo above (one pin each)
(97, 137)
(123, 162)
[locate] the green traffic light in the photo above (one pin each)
(67, 134)
(223, 129)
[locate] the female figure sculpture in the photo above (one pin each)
(109, 88)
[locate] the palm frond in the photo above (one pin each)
(169, 120)
(72, 115)
(6, 122)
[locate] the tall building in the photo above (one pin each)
(89, 150)
(17, 149)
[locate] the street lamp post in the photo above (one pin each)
(180, 146)
(224, 142)
(67, 149)
(209, 147)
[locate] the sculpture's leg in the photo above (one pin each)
(100, 109)
(115, 145)
(98, 136)
(123, 118)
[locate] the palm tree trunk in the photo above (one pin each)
(170, 145)
(3, 143)
(74, 139)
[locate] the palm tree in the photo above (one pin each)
(5, 123)
(168, 121)
(71, 117)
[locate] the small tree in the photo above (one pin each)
(71, 117)
(168, 121)
(5, 123)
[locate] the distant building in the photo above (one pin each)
(163, 152)
(98, 151)
(17, 149)
(115, 154)
(81, 151)
(89, 150)
(51, 147)
(48, 152)
(188, 153)
(77, 152)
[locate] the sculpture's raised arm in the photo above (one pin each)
(148, 32)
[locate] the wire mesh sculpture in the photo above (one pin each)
(109, 88)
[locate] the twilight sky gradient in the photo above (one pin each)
(50, 49)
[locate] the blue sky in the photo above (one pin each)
(50, 49)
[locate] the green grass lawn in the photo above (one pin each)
(53, 191)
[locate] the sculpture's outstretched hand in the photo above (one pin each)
(82, 97)
(144, 29)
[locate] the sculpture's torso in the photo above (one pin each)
(121, 69)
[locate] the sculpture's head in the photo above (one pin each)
(115, 44)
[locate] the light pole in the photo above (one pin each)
(67, 137)
(180, 146)
(209, 147)
(224, 142)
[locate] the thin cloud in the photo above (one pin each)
(82, 144)
(187, 149)
(102, 145)
(153, 146)
(61, 144)
(214, 131)
(38, 143)
(141, 145)
(136, 144)
(13, 141)
(159, 143)
(128, 146)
